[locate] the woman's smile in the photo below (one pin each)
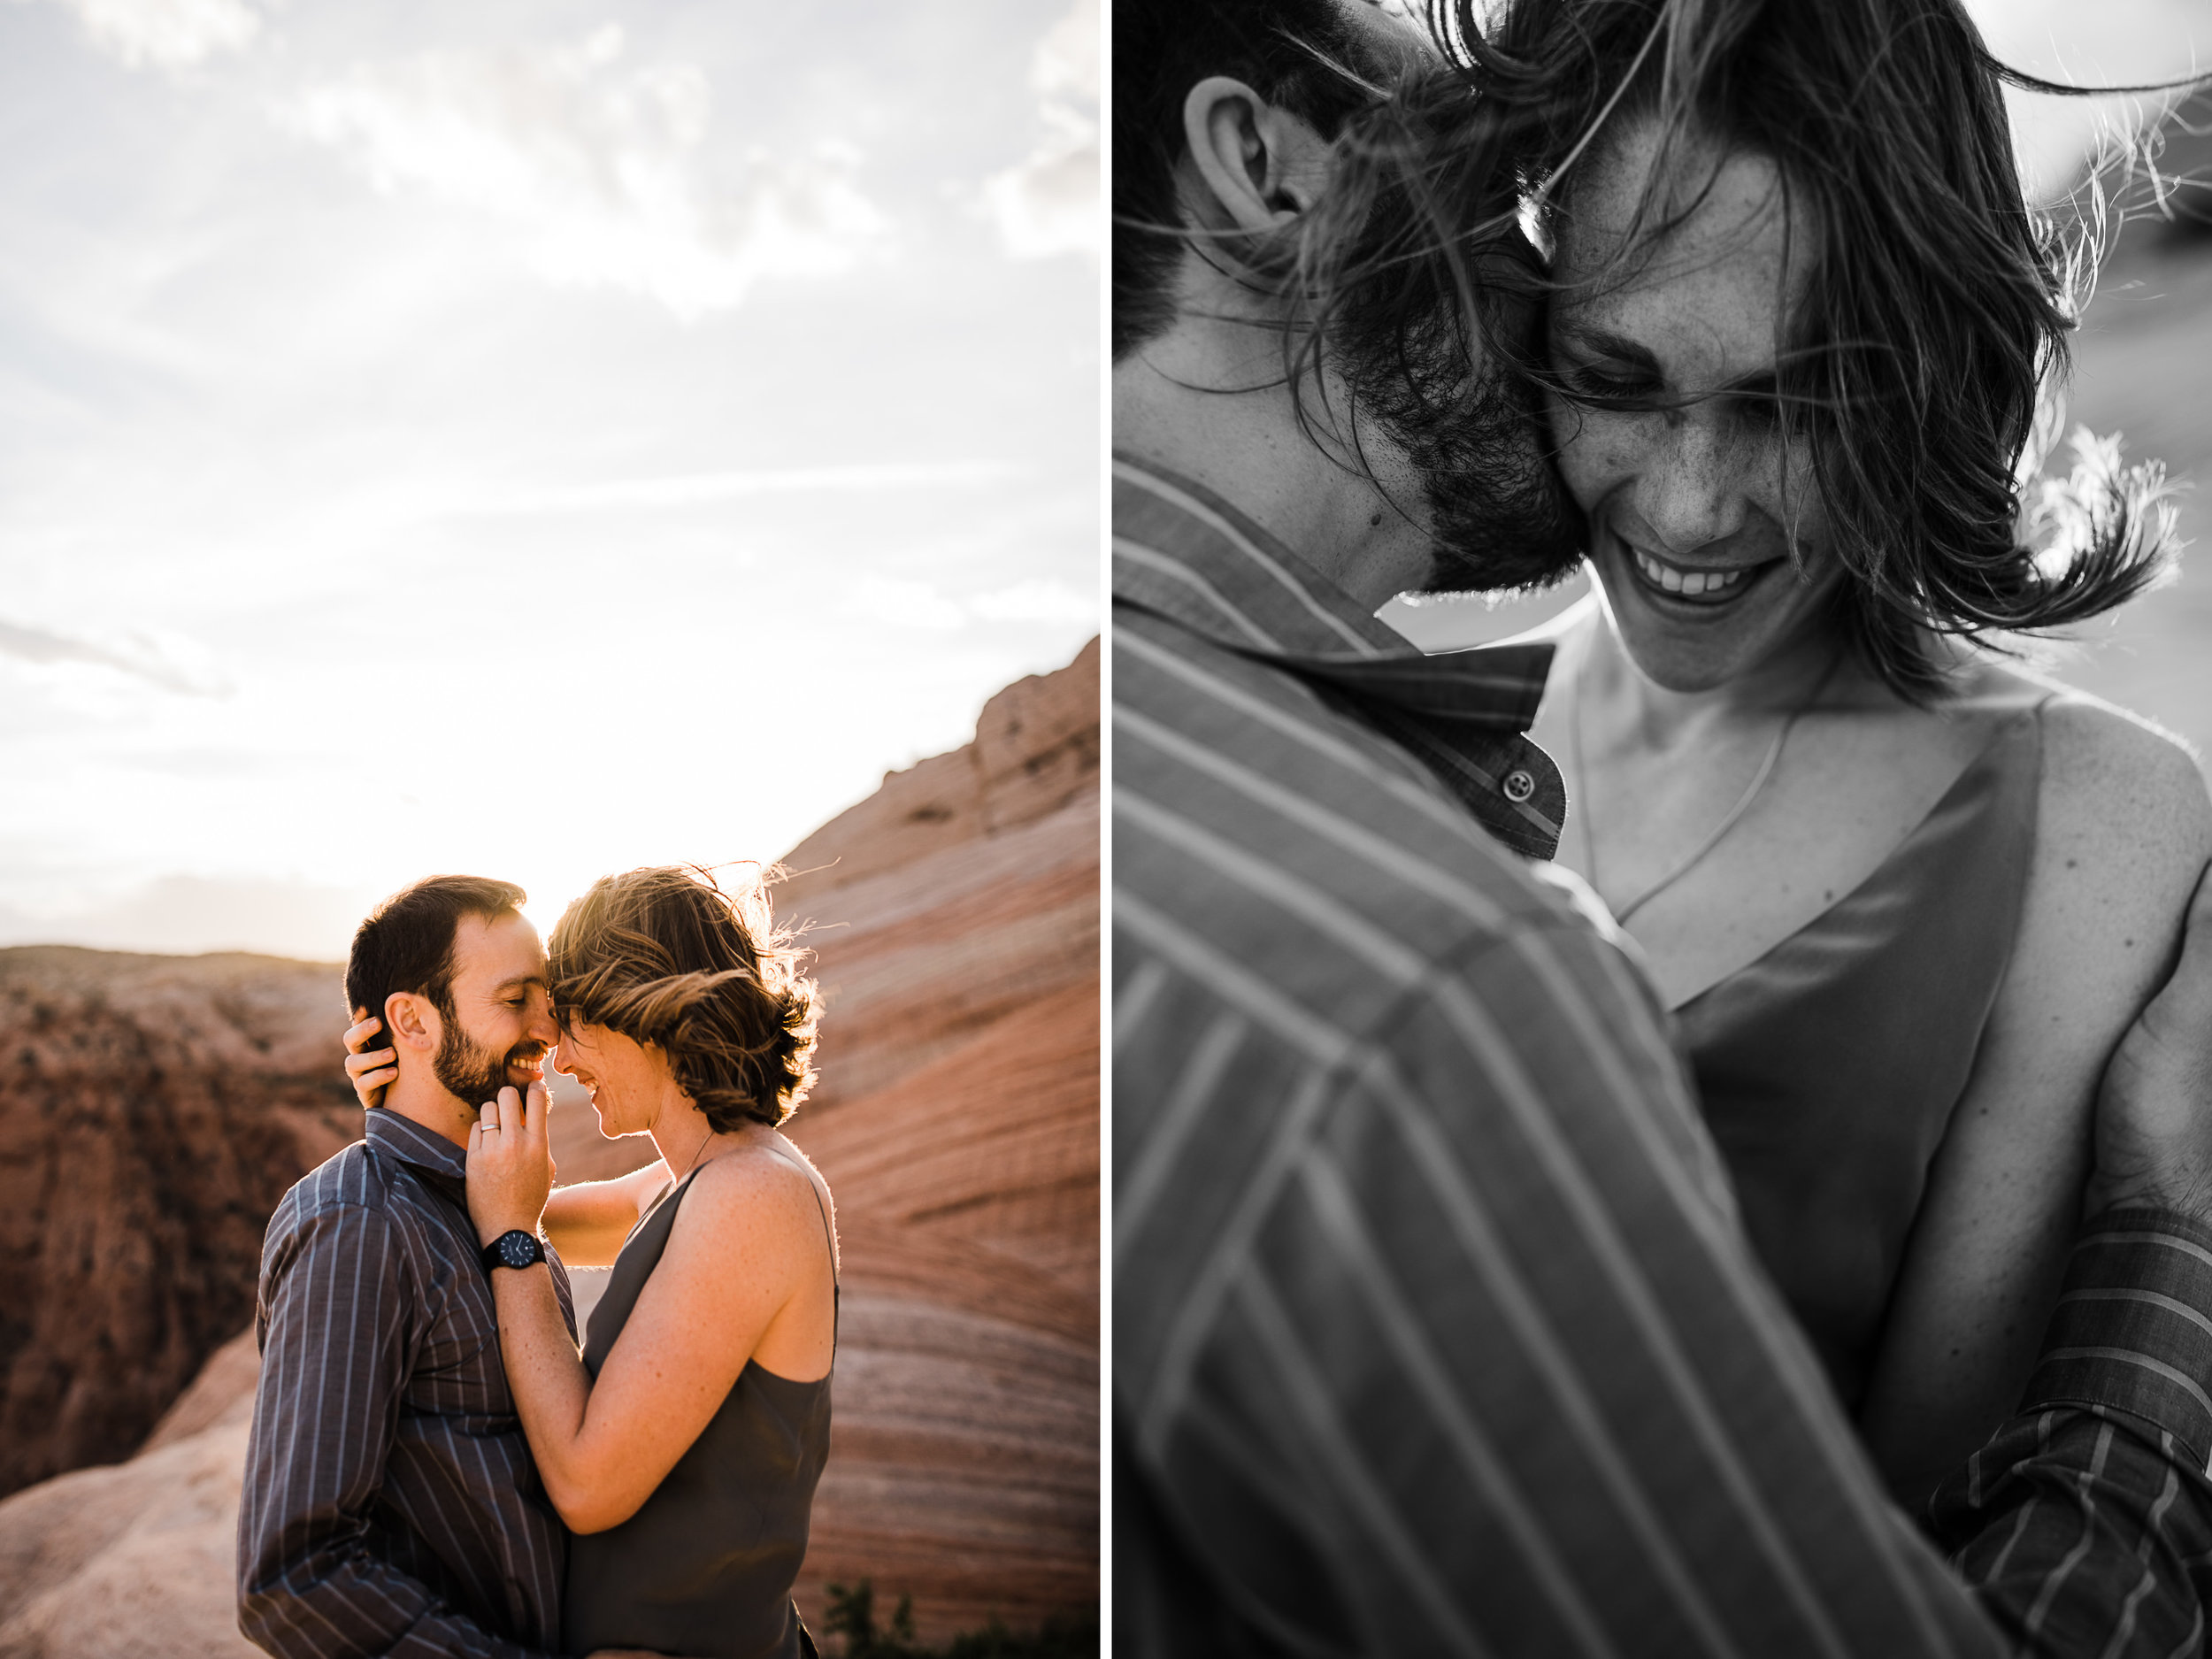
(1705, 588)
(1692, 626)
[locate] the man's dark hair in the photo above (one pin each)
(406, 944)
(1298, 55)
(1433, 335)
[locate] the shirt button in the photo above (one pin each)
(1519, 785)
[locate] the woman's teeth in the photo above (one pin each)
(1689, 584)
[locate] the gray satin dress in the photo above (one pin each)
(705, 1568)
(1828, 1069)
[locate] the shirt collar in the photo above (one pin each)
(404, 1139)
(1183, 553)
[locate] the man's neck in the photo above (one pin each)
(1248, 447)
(424, 1100)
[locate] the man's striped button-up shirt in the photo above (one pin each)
(390, 1504)
(1434, 1329)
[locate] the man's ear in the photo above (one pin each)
(1259, 166)
(412, 1021)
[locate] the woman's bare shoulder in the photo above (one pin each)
(751, 1186)
(752, 1171)
(2123, 830)
(2123, 789)
(2105, 770)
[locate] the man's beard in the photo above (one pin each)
(471, 1072)
(1499, 516)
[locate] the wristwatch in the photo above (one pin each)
(513, 1249)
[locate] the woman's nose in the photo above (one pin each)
(1692, 490)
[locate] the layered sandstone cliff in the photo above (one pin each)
(153, 1109)
(955, 915)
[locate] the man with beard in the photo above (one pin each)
(390, 1503)
(1434, 1328)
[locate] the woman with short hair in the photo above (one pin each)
(683, 1445)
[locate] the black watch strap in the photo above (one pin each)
(513, 1249)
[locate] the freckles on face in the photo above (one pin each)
(1664, 336)
(1597, 450)
(1703, 515)
(620, 1074)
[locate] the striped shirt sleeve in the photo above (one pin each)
(335, 1323)
(2132, 1332)
(2085, 1525)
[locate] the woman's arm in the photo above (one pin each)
(747, 1242)
(2124, 830)
(588, 1221)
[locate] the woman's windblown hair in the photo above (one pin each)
(1921, 360)
(667, 956)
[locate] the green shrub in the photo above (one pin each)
(852, 1615)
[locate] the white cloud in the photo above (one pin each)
(171, 662)
(915, 604)
(599, 172)
(908, 604)
(692, 488)
(1036, 601)
(168, 34)
(1048, 203)
(1066, 60)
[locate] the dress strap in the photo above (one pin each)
(829, 1236)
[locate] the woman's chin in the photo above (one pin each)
(1701, 651)
(1686, 672)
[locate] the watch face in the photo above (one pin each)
(520, 1249)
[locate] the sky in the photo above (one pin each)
(2077, 43)
(534, 438)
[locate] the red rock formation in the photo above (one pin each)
(136, 1560)
(954, 913)
(955, 917)
(154, 1110)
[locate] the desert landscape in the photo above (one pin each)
(156, 1107)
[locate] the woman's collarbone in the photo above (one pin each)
(1842, 801)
